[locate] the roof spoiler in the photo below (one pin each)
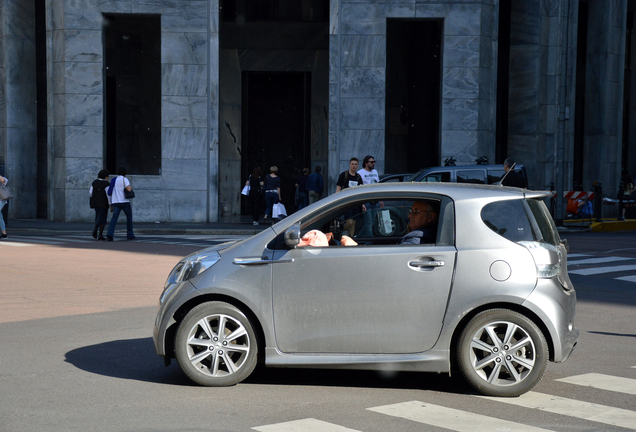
(535, 194)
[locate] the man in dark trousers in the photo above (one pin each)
(315, 185)
(511, 177)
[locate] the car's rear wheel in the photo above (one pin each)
(502, 353)
(215, 345)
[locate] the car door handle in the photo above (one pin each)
(258, 261)
(420, 264)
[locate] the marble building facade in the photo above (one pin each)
(563, 107)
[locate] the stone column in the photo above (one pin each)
(604, 93)
(213, 115)
(75, 107)
(18, 132)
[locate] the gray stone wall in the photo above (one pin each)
(18, 141)
(535, 75)
(358, 69)
(604, 93)
(186, 189)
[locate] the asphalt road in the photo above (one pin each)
(76, 321)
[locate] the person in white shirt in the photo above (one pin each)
(120, 203)
(369, 175)
(3, 228)
(368, 172)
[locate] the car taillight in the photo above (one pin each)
(547, 258)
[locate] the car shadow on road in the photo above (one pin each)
(135, 359)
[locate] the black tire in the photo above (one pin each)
(226, 335)
(502, 353)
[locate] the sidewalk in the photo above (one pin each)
(243, 227)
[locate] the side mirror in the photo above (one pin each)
(292, 236)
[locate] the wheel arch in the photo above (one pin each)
(183, 310)
(510, 306)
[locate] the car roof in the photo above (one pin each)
(454, 190)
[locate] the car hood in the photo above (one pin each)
(216, 248)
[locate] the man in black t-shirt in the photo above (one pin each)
(350, 177)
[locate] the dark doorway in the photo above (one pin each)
(276, 107)
(132, 114)
(413, 80)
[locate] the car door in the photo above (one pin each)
(373, 299)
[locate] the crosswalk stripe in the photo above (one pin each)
(603, 382)
(601, 270)
(36, 241)
(12, 243)
(304, 425)
(448, 418)
(66, 239)
(573, 408)
(577, 255)
(598, 260)
(627, 278)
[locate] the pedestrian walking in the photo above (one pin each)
(301, 187)
(271, 184)
(315, 185)
(3, 182)
(255, 196)
(100, 201)
(120, 203)
(369, 176)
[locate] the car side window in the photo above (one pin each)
(508, 219)
(381, 222)
(494, 175)
(437, 177)
(471, 176)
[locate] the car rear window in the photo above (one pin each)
(521, 220)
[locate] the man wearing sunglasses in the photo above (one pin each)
(422, 227)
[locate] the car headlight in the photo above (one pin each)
(547, 258)
(195, 265)
(190, 267)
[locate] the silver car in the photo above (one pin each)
(488, 294)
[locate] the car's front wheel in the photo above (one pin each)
(215, 345)
(502, 353)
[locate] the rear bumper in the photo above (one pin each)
(556, 308)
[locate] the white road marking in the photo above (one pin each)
(573, 408)
(12, 243)
(304, 425)
(627, 278)
(603, 382)
(601, 270)
(64, 239)
(601, 260)
(448, 418)
(35, 241)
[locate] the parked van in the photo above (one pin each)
(476, 174)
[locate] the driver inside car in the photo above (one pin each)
(422, 227)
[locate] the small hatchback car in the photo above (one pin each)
(404, 276)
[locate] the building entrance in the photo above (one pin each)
(276, 121)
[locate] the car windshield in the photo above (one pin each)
(521, 220)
